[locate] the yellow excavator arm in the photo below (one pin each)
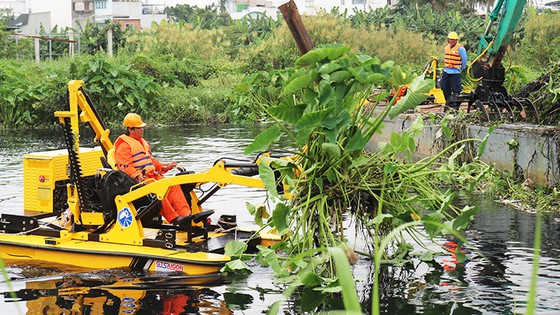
(87, 114)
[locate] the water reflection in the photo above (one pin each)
(494, 280)
(116, 292)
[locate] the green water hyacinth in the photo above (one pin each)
(322, 110)
(330, 108)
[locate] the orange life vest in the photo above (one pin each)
(141, 153)
(452, 57)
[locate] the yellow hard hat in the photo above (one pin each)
(132, 120)
(453, 35)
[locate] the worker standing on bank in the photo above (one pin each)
(453, 64)
(134, 157)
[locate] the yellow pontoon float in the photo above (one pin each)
(80, 211)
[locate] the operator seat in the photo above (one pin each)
(111, 158)
(148, 207)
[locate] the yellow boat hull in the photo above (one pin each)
(98, 255)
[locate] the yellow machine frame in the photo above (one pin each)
(131, 233)
(431, 68)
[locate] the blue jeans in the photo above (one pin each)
(450, 84)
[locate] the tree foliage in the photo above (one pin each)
(205, 18)
(94, 37)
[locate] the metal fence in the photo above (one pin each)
(45, 46)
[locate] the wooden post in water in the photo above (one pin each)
(293, 19)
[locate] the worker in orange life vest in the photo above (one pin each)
(134, 157)
(454, 63)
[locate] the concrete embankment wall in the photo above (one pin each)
(537, 155)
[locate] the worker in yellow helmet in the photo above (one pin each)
(454, 63)
(134, 157)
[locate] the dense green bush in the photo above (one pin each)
(206, 103)
(182, 41)
(17, 95)
(115, 88)
(183, 73)
(404, 47)
(260, 88)
(541, 43)
(29, 93)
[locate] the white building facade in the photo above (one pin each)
(239, 8)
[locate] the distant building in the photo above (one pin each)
(239, 8)
(16, 7)
(30, 23)
(74, 13)
(152, 13)
(83, 11)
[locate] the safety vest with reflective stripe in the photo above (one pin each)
(141, 153)
(452, 57)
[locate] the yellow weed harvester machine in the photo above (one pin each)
(102, 218)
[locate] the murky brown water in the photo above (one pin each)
(494, 281)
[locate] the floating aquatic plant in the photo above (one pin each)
(322, 108)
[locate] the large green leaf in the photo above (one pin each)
(280, 217)
(340, 76)
(447, 200)
(332, 149)
(375, 78)
(310, 279)
(299, 81)
(235, 248)
(326, 95)
(313, 119)
(335, 125)
(287, 112)
(364, 75)
(331, 52)
(357, 142)
(432, 223)
(463, 219)
(260, 213)
(310, 99)
(329, 67)
(271, 259)
(236, 266)
(309, 58)
(263, 140)
(302, 136)
(267, 175)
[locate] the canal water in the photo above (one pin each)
(495, 280)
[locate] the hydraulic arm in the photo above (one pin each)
(507, 15)
(79, 199)
(491, 97)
